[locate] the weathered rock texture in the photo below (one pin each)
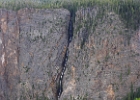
(103, 62)
(9, 69)
(32, 47)
(104, 57)
(43, 40)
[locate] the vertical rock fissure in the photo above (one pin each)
(59, 79)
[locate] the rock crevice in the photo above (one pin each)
(44, 54)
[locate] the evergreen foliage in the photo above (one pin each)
(129, 10)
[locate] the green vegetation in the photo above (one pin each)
(137, 99)
(129, 10)
(133, 95)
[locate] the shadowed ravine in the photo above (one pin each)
(60, 75)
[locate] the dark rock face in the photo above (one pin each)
(103, 59)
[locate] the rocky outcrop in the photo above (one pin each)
(9, 69)
(32, 46)
(103, 55)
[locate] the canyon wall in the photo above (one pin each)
(103, 55)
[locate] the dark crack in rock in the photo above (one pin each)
(45, 54)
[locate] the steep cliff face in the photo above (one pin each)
(43, 41)
(103, 55)
(32, 45)
(9, 69)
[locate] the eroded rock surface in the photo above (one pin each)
(32, 47)
(9, 69)
(43, 40)
(103, 55)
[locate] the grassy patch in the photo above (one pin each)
(132, 95)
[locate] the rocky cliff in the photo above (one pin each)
(104, 57)
(101, 55)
